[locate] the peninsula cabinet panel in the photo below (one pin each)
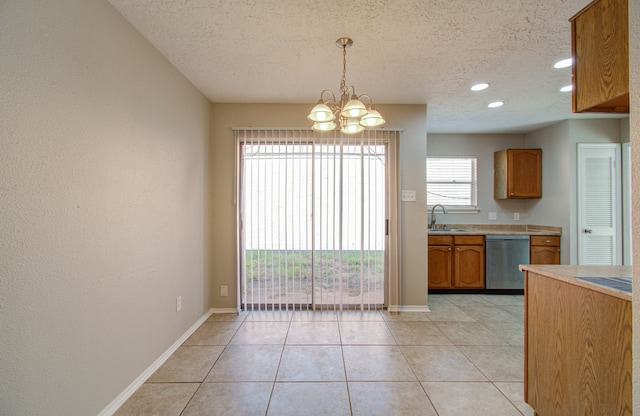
(517, 174)
(577, 349)
(600, 50)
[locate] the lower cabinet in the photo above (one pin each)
(456, 262)
(544, 249)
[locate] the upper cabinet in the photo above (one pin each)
(600, 50)
(517, 174)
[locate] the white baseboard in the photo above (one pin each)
(408, 308)
(139, 381)
(225, 310)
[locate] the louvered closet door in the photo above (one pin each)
(313, 212)
(599, 201)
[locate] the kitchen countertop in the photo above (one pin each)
(611, 280)
(491, 229)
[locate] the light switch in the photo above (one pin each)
(493, 216)
(408, 196)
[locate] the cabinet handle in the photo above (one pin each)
(457, 248)
(449, 248)
(512, 194)
(547, 241)
(588, 231)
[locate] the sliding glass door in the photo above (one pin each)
(313, 220)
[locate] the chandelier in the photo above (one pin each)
(352, 115)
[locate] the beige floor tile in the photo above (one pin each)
(389, 398)
(467, 299)
(309, 399)
(274, 316)
(498, 363)
(267, 332)
(468, 399)
(501, 300)
(417, 333)
(517, 311)
(187, 363)
(376, 363)
(469, 333)
(405, 316)
(213, 333)
(230, 399)
(315, 316)
(447, 311)
(360, 316)
(228, 317)
(512, 332)
(311, 363)
(158, 399)
(441, 363)
(315, 332)
(247, 363)
(515, 394)
(366, 333)
(489, 313)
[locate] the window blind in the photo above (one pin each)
(452, 181)
(312, 208)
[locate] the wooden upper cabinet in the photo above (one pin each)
(517, 174)
(600, 50)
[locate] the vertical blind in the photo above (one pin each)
(312, 210)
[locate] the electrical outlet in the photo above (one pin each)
(493, 216)
(178, 303)
(224, 290)
(516, 216)
(408, 196)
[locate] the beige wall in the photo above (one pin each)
(559, 144)
(411, 118)
(103, 159)
(482, 146)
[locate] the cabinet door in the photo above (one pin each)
(545, 255)
(440, 267)
(469, 267)
(524, 173)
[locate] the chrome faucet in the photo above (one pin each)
(433, 217)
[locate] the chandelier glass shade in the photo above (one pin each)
(350, 113)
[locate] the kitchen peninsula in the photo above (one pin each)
(578, 338)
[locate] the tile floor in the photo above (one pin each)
(465, 357)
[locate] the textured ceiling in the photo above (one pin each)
(405, 52)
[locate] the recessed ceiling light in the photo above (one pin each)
(567, 88)
(480, 87)
(563, 63)
(495, 104)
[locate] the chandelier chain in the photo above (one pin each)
(343, 83)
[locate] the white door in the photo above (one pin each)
(599, 202)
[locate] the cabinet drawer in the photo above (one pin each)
(440, 240)
(469, 240)
(544, 240)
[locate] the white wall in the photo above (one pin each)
(103, 166)
(411, 118)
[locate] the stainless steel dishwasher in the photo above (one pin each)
(502, 256)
